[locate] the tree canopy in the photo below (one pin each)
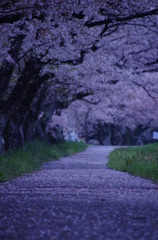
(58, 51)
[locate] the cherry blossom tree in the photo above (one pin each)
(58, 51)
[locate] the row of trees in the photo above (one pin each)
(53, 52)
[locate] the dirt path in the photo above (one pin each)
(78, 197)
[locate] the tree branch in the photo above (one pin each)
(139, 85)
(119, 20)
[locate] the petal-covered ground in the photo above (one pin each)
(78, 197)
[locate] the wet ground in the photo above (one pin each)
(78, 197)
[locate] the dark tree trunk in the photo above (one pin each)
(18, 104)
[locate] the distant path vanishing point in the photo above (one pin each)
(78, 197)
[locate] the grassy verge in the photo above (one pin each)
(18, 162)
(139, 161)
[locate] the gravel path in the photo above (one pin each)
(78, 197)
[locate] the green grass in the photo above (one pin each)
(18, 162)
(139, 161)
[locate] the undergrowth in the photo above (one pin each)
(18, 162)
(140, 161)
